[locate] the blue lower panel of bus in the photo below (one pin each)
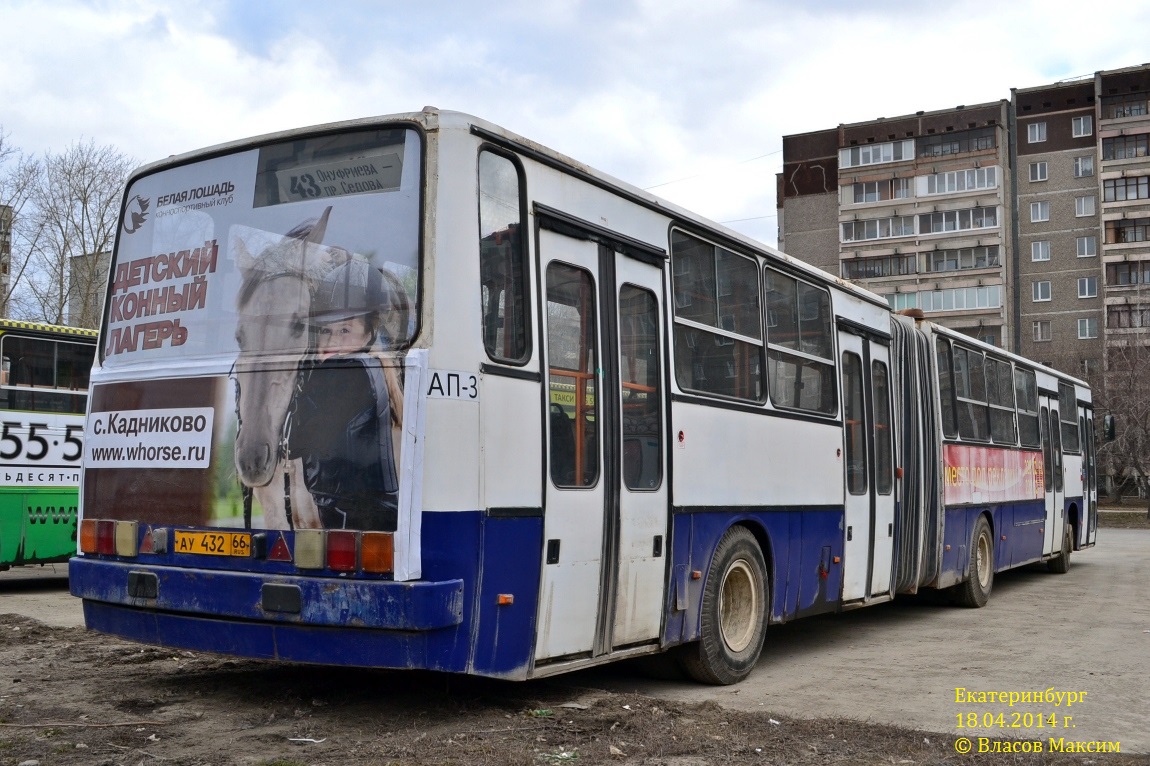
(1018, 529)
(449, 620)
(801, 547)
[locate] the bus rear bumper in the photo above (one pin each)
(206, 595)
(352, 647)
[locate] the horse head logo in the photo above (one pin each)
(137, 214)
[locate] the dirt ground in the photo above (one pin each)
(71, 697)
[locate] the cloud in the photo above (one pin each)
(692, 97)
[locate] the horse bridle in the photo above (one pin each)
(283, 450)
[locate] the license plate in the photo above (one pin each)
(214, 543)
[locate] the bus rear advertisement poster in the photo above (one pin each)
(255, 351)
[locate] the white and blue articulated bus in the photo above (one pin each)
(415, 392)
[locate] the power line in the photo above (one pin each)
(756, 218)
(699, 175)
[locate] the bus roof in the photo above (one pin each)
(53, 329)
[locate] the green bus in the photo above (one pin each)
(43, 397)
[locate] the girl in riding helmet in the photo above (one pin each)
(341, 426)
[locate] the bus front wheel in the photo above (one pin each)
(975, 591)
(734, 613)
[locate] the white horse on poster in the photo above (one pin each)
(273, 335)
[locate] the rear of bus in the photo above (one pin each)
(43, 390)
(249, 482)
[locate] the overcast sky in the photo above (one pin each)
(689, 98)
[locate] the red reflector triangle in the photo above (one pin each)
(146, 546)
(280, 551)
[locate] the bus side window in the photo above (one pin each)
(946, 389)
(1026, 395)
(502, 260)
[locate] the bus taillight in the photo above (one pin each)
(341, 550)
(106, 537)
(127, 540)
(377, 552)
(309, 548)
(88, 536)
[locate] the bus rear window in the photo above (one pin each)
(201, 244)
(45, 375)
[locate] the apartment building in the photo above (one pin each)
(1025, 223)
(1058, 314)
(1124, 183)
(916, 208)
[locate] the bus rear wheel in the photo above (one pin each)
(1060, 564)
(975, 591)
(734, 613)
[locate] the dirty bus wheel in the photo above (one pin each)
(734, 613)
(1060, 564)
(976, 590)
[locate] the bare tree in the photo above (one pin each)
(66, 232)
(18, 174)
(1126, 395)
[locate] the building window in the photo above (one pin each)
(1039, 211)
(900, 301)
(1126, 316)
(1088, 287)
(1087, 246)
(878, 228)
(876, 154)
(1083, 166)
(1041, 332)
(1122, 189)
(983, 257)
(958, 220)
(886, 266)
(1038, 171)
(1040, 291)
(1126, 147)
(1082, 126)
(957, 142)
(877, 191)
(1036, 132)
(1128, 105)
(1087, 328)
(1127, 230)
(1084, 206)
(961, 298)
(1040, 250)
(1128, 273)
(962, 180)
(1088, 367)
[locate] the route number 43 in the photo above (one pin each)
(11, 445)
(304, 186)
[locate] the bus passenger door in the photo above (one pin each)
(868, 462)
(1049, 429)
(642, 529)
(605, 495)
